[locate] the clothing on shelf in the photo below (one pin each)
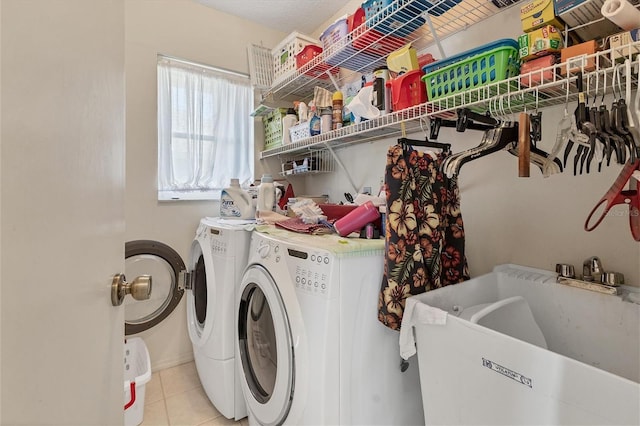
(424, 236)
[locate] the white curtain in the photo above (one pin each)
(205, 132)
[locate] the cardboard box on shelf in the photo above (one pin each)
(538, 13)
(540, 42)
(618, 44)
(586, 16)
(575, 58)
(537, 71)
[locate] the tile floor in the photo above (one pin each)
(175, 397)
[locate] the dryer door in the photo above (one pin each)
(165, 266)
(204, 300)
(266, 353)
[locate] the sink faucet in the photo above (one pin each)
(592, 269)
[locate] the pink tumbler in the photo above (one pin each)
(356, 219)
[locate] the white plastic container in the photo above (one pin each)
(137, 373)
(266, 195)
(288, 121)
(236, 203)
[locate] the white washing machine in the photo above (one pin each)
(310, 348)
(217, 261)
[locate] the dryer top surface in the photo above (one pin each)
(339, 246)
(224, 223)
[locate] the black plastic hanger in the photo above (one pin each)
(617, 145)
(494, 139)
(468, 119)
(445, 147)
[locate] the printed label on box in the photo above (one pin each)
(619, 42)
(538, 13)
(543, 41)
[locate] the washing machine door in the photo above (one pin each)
(265, 348)
(166, 267)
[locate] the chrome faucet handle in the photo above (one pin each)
(565, 270)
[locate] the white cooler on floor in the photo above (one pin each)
(137, 373)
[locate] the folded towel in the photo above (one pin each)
(297, 225)
(270, 218)
(416, 312)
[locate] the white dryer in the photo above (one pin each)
(218, 257)
(310, 348)
(217, 261)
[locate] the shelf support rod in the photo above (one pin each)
(344, 169)
(435, 35)
(333, 80)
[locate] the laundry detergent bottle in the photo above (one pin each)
(236, 203)
(266, 195)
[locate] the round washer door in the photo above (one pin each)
(164, 265)
(202, 300)
(267, 369)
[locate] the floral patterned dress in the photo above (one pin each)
(424, 234)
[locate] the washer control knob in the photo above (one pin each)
(263, 250)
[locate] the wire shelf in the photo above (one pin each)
(502, 99)
(431, 29)
(311, 162)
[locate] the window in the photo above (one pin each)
(205, 132)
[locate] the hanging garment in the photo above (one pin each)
(424, 236)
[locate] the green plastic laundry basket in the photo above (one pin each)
(488, 67)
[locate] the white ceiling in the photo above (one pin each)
(304, 16)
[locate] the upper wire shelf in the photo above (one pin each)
(503, 99)
(432, 26)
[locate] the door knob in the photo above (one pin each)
(139, 288)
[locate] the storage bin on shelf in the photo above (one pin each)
(339, 50)
(300, 131)
(408, 90)
(273, 128)
(474, 68)
(369, 40)
(402, 17)
(284, 55)
(137, 373)
(403, 60)
(306, 55)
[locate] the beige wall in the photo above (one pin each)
(184, 29)
(536, 221)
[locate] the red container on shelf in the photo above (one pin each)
(531, 73)
(369, 40)
(408, 90)
(306, 55)
(424, 60)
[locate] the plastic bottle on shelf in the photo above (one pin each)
(303, 112)
(266, 195)
(325, 120)
(381, 94)
(236, 203)
(314, 122)
(288, 121)
(336, 122)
